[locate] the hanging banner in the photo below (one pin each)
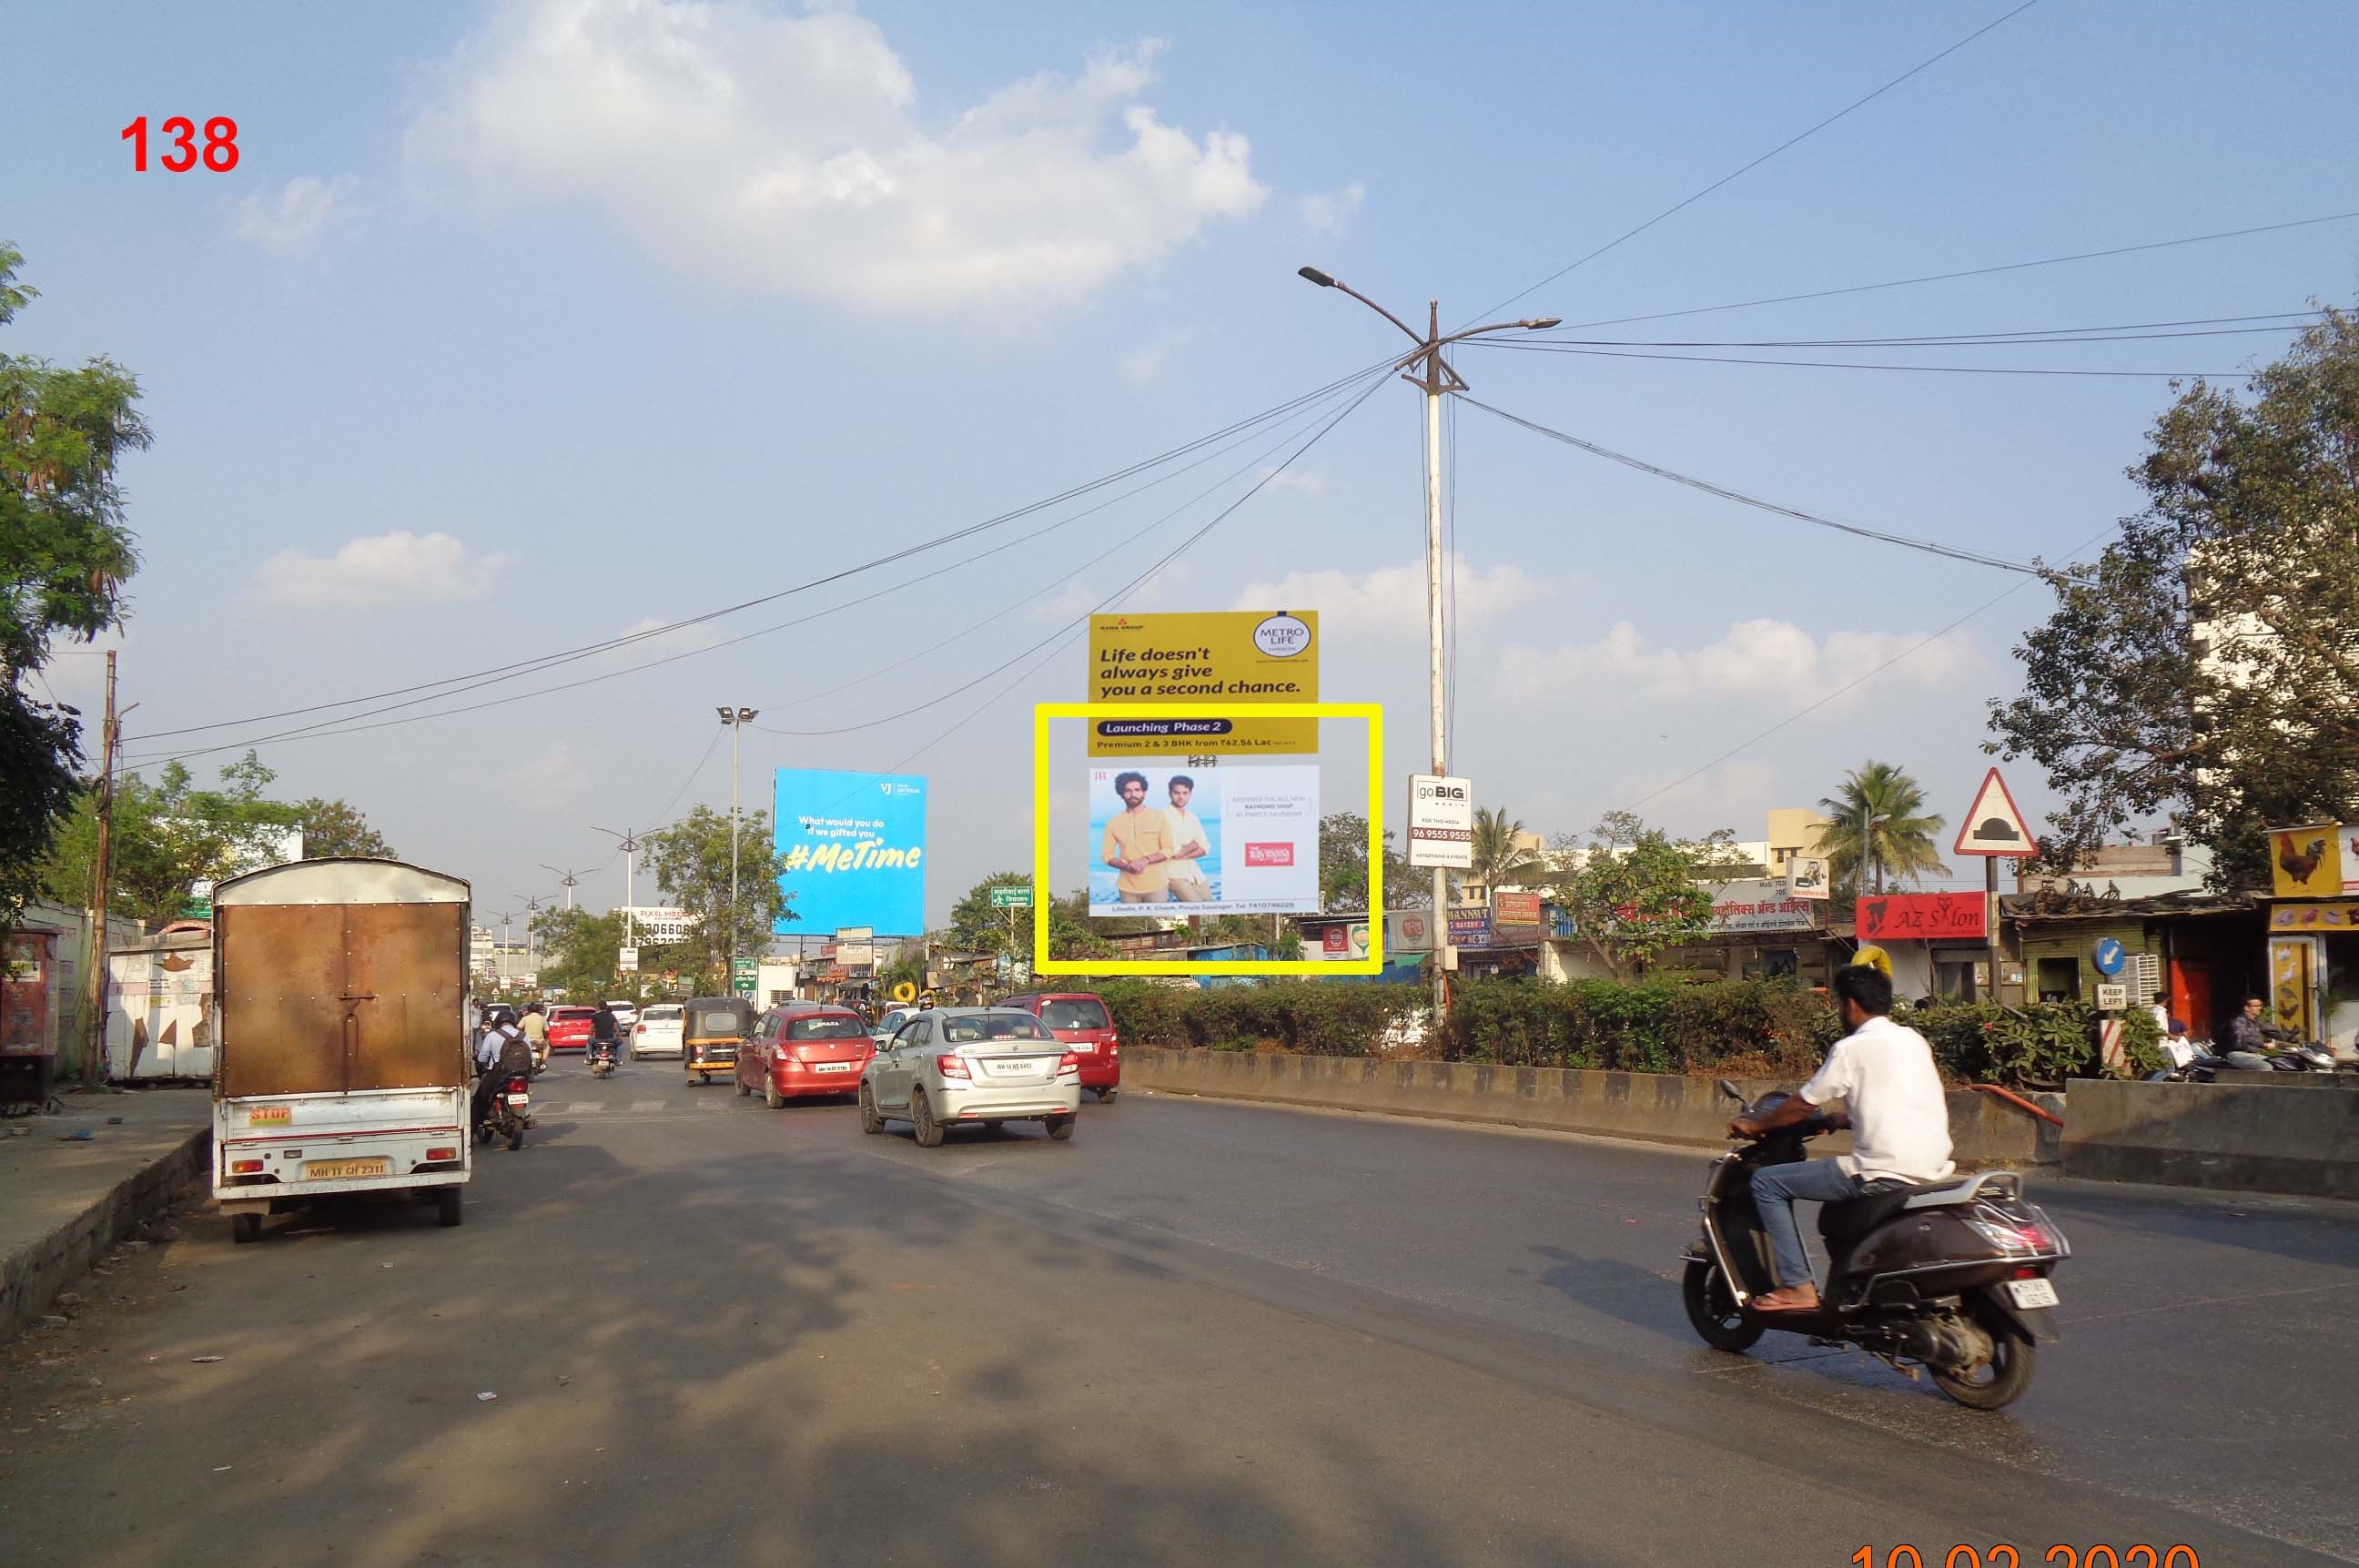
(1920, 917)
(1205, 662)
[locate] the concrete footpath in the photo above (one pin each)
(65, 1199)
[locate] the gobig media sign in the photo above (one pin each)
(854, 851)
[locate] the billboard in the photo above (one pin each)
(1206, 664)
(1920, 916)
(853, 847)
(1218, 841)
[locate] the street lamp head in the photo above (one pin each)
(747, 716)
(1315, 276)
(728, 716)
(1543, 324)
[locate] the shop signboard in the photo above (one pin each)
(1470, 926)
(1922, 917)
(1759, 904)
(1408, 930)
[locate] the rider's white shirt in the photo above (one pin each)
(1901, 1119)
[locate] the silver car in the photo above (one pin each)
(968, 1065)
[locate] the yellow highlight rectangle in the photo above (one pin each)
(1373, 713)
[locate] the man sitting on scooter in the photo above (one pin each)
(503, 1054)
(1899, 1119)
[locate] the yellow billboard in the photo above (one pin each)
(2307, 863)
(1206, 663)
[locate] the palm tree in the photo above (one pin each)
(1880, 808)
(1499, 853)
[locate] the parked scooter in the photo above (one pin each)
(509, 1114)
(1953, 1274)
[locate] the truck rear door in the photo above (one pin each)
(328, 998)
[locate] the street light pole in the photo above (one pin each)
(567, 878)
(630, 882)
(1434, 377)
(737, 719)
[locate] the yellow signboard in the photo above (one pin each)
(2307, 863)
(2292, 984)
(1206, 664)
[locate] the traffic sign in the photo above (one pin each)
(2109, 956)
(2113, 998)
(1018, 897)
(1995, 826)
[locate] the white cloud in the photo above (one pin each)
(1301, 481)
(1147, 364)
(1390, 600)
(1331, 214)
(1774, 662)
(784, 153)
(298, 215)
(381, 569)
(559, 776)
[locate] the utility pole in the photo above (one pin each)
(94, 1067)
(630, 883)
(532, 918)
(737, 719)
(568, 878)
(1434, 375)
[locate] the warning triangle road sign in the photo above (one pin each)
(1994, 826)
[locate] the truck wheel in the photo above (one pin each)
(448, 1209)
(245, 1228)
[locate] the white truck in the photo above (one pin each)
(342, 1062)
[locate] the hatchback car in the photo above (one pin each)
(890, 1024)
(1079, 1019)
(569, 1028)
(971, 1065)
(804, 1047)
(657, 1031)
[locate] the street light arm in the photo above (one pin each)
(1532, 325)
(1324, 281)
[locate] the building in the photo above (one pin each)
(2206, 950)
(2131, 871)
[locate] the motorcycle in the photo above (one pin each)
(602, 1058)
(509, 1113)
(2283, 1052)
(1953, 1274)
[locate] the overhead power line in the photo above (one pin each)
(1871, 364)
(2132, 332)
(1795, 139)
(1966, 272)
(1930, 547)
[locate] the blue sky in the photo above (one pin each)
(648, 309)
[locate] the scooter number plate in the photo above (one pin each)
(2032, 1292)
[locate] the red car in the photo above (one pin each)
(568, 1028)
(1081, 1022)
(805, 1048)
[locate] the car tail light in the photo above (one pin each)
(953, 1066)
(638, 1028)
(445, 1153)
(518, 1087)
(245, 1167)
(1068, 1063)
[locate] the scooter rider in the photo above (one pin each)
(604, 1035)
(501, 1055)
(1900, 1122)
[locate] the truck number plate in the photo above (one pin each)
(2032, 1292)
(345, 1169)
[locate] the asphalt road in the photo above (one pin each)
(1198, 1333)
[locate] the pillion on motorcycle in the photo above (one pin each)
(1925, 1267)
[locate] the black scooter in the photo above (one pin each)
(1953, 1275)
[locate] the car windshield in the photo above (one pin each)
(962, 1032)
(661, 1015)
(569, 1015)
(1084, 1013)
(826, 1028)
(716, 1021)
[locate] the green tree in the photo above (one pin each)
(1343, 867)
(1879, 813)
(690, 862)
(2205, 666)
(1635, 892)
(978, 925)
(65, 555)
(580, 952)
(337, 828)
(1498, 852)
(170, 836)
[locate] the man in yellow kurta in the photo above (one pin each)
(1138, 843)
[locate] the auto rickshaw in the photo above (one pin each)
(710, 1030)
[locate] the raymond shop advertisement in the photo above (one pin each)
(855, 847)
(1210, 841)
(1212, 667)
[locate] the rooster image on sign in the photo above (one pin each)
(2307, 862)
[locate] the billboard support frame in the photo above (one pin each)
(1373, 714)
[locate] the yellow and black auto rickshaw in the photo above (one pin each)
(711, 1028)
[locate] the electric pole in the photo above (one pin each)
(1424, 369)
(630, 883)
(93, 1066)
(737, 719)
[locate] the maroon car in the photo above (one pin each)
(1079, 1019)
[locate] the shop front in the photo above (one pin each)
(2313, 968)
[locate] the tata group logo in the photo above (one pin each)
(1282, 636)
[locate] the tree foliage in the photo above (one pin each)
(1882, 809)
(2207, 665)
(1636, 892)
(580, 952)
(1343, 867)
(65, 554)
(691, 861)
(333, 828)
(1499, 853)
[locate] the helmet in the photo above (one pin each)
(1875, 958)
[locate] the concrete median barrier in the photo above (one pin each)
(2297, 1137)
(1658, 1107)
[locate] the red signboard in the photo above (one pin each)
(1515, 908)
(1920, 917)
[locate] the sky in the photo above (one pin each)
(522, 325)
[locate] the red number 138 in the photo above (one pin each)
(220, 153)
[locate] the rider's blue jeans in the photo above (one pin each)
(1775, 1190)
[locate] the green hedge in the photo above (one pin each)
(1767, 1028)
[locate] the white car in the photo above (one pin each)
(968, 1066)
(657, 1031)
(625, 1015)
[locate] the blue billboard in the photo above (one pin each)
(855, 849)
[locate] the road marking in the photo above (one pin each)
(646, 1105)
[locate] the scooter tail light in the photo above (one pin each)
(953, 1066)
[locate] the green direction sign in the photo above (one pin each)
(1011, 898)
(741, 976)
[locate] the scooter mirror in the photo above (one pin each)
(1730, 1089)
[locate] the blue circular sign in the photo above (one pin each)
(2110, 956)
